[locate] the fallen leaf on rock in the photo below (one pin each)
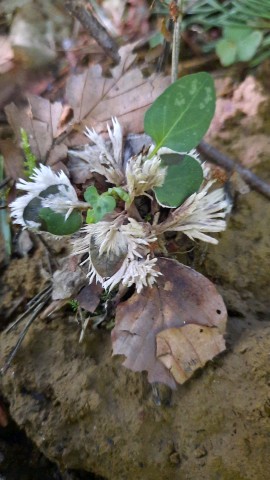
(183, 350)
(126, 94)
(180, 297)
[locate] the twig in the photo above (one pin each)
(176, 40)
(42, 302)
(219, 158)
(94, 28)
(30, 306)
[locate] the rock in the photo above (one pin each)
(85, 411)
(200, 452)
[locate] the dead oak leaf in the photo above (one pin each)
(180, 297)
(183, 350)
(125, 95)
(41, 120)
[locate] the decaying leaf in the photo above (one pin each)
(41, 122)
(183, 350)
(126, 94)
(146, 323)
(89, 297)
(12, 158)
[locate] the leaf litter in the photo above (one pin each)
(91, 100)
(173, 328)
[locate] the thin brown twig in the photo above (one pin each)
(77, 9)
(220, 159)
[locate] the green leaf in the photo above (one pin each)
(101, 204)
(119, 192)
(247, 48)
(105, 204)
(181, 116)
(56, 224)
(226, 51)
(31, 211)
(91, 195)
(184, 177)
(236, 34)
(90, 216)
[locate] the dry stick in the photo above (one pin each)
(42, 302)
(214, 156)
(94, 28)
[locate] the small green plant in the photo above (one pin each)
(245, 27)
(30, 161)
(74, 304)
(239, 44)
(162, 188)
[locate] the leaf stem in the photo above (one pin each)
(176, 41)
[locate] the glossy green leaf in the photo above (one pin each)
(181, 116)
(56, 224)
(184, 177)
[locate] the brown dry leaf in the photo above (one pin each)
(40, 120)
(180, 297)
(125, 95)
(183, 350)
(89, 297)
(12, 158)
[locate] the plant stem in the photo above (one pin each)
(176, 41)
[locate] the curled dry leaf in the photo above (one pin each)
(126, 94)
(149, 325)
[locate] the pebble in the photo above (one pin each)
(200, 452)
